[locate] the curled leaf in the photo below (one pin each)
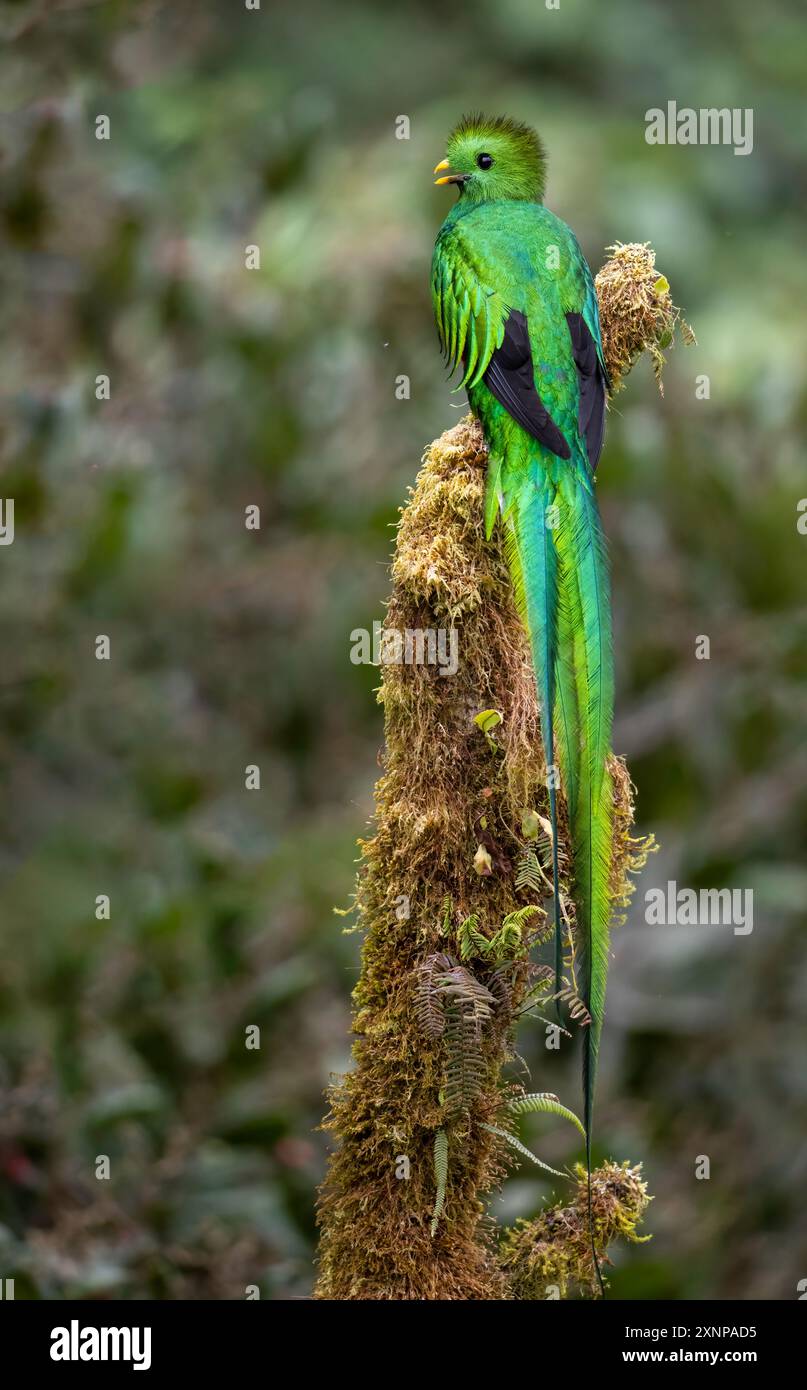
(483, 864)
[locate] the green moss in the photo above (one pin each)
(551, 1257)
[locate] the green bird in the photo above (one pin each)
(516, 309)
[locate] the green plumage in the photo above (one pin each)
(501, 254)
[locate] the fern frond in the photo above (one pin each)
(577, 1009)
(473, 998)
(440, 1176)
(536, 995)
(523, 1150)
(451, 1003)
(470, 939)
(529, 873)
(509, 939)
(544, 1102)
(466, 1071)
(429, 1007)
(500, 984)
(520, 918)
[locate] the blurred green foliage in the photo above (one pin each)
(229, 647)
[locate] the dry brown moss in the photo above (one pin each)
(441, 777)
(637, 313)
(446, 789)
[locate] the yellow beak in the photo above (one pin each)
(444, 164)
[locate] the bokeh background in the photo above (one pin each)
(230, 647)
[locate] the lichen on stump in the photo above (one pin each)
(459, 807)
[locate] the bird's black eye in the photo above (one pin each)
(484, 161)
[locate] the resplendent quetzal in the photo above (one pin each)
(515, 305)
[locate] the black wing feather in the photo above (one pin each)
(592, 381)
(510, 377)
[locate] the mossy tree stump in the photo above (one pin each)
(457, 812)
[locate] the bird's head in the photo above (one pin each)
(494, 157)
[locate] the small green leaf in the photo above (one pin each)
(487, 719)
(530, 824)
(662, 285)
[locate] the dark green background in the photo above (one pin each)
(230, 647)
